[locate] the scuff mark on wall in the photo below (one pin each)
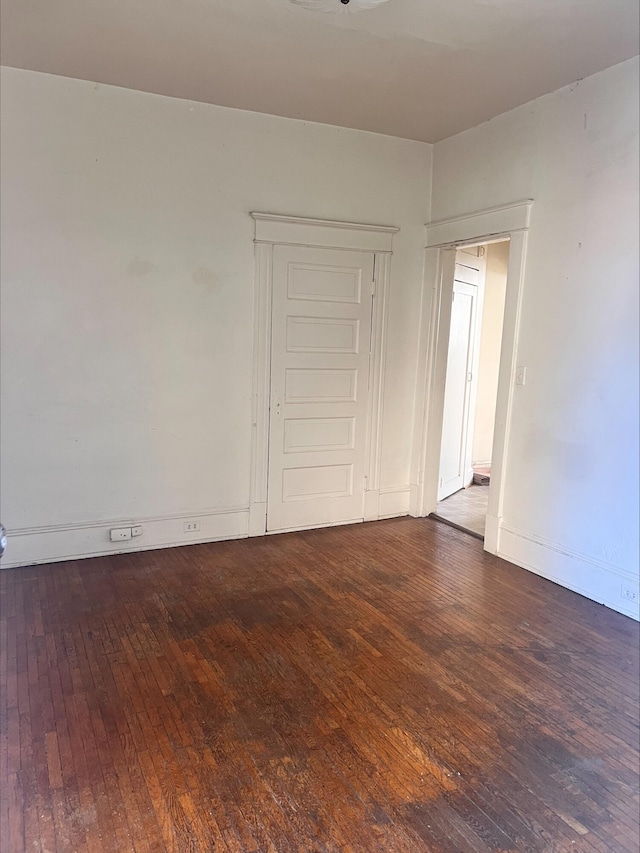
(141, 268)
(205, 277)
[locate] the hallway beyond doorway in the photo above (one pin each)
(466, 509)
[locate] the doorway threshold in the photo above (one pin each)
(466, 509)
(456, 526)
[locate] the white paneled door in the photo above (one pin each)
(455, 462)
(321, 333)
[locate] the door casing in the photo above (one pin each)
(275, 229)
(443, 238)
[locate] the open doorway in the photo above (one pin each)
(471, 386)
(442, 239)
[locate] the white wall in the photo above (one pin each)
(571, 501)
(127, 269)
(495, 289)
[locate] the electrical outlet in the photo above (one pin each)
(191, 526)
(119, 534)
(629, 593)
(137, 530)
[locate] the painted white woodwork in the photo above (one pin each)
(495, 222)
(506, 388)
(320, 343)
(51, 543)
(440, 265)
(302, 231)
(457, 423)
(435, 322)
(378, 365)
(261, 378)
(332, 433)
(497, 262)
(329, 385)
(335, 285)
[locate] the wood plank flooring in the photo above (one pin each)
(380, 687)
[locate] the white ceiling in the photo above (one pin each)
(420, 69)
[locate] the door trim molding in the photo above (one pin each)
(492, 222)
(324, 233)
(261, 382)
(511, 222)
(275, 229)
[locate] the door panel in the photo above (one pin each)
(313, 434)
(320, 386)
(317, 482)
(324, 284)
(453, 453)
(321, 329)
(322, 334)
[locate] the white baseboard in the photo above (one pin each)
(597, 581)
(394, 502)
(371, 505)
(414, 500)
(29, 546)
(492, 528)
(258, 519)
(386, 503)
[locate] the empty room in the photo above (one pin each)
(319, 426)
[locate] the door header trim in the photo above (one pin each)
(503, 220)
(301, 231)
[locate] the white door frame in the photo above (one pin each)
(442, 238)
(272, 229)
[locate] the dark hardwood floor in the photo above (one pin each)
(380, 687)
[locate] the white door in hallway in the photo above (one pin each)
(321, 334)
(455, 462)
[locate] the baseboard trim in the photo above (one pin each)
(33, 545)
(258, 518)
(371, 505)
(595, 580)
(492, 529)
(394, 502)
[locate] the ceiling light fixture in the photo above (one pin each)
(338, 5)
